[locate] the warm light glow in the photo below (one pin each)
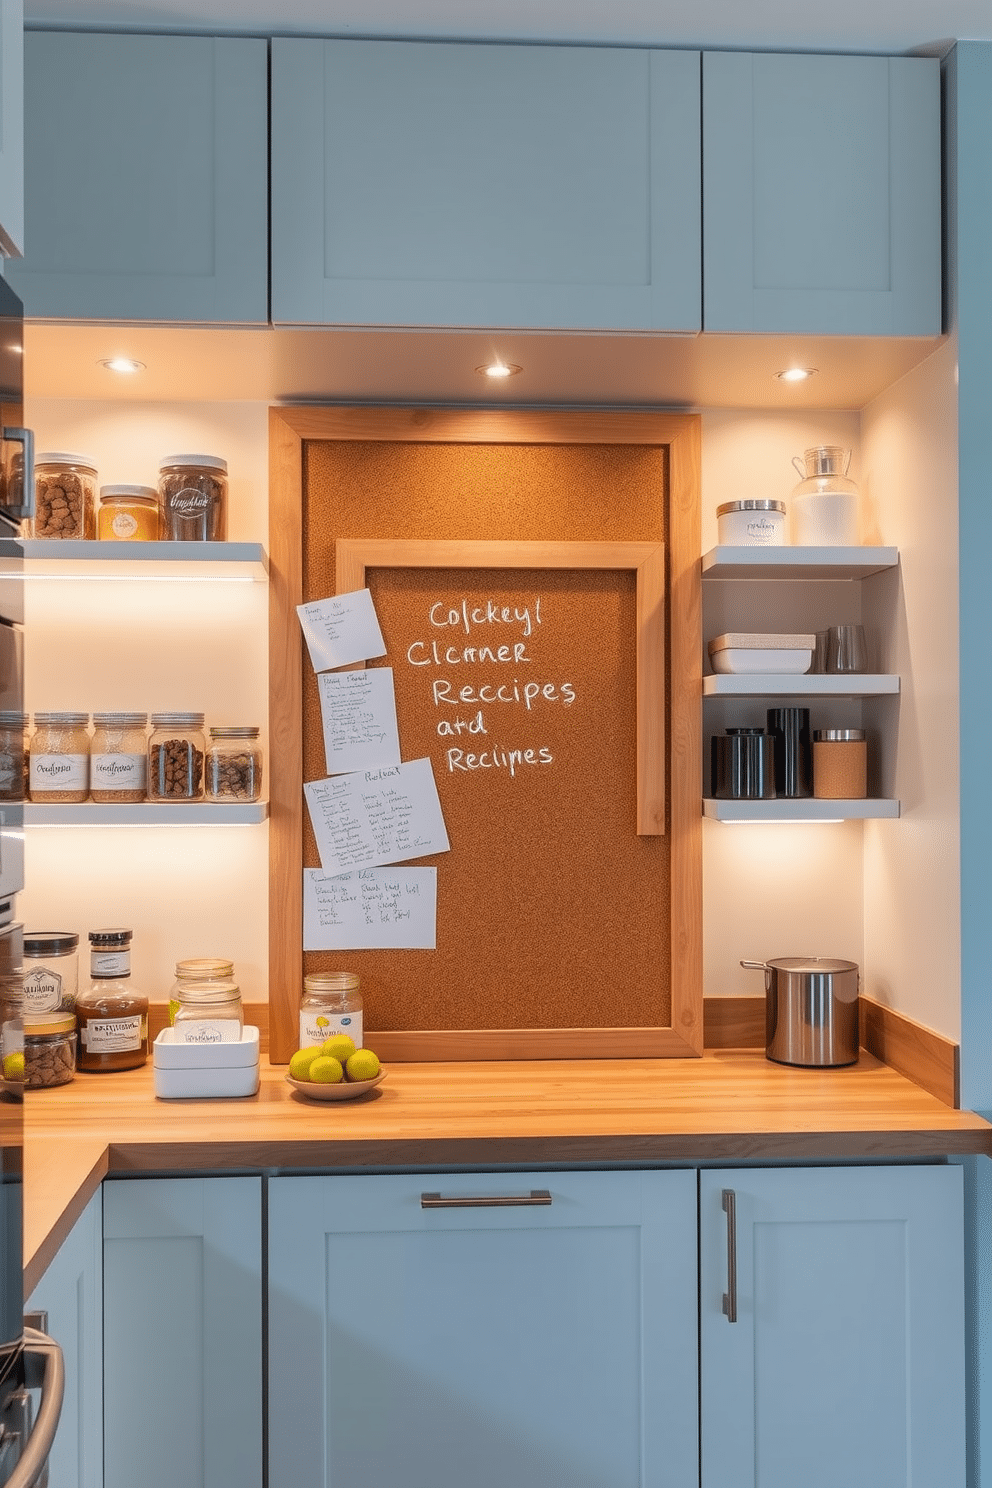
(796, 374)
(122, 364)
(499, 368)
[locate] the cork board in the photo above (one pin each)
(556, 934)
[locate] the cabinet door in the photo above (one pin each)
(821, 194)
(439, 1347)
(845, 1364)
(443, 184)
(70, 1292)
(183, 1332)
(146, 178)
(11, 127)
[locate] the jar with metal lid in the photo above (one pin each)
(13, 756)
(49, 1049)
(112, 1014)
(840, 764)
(331, 1003)
(128, 514)
(51, 970)
(64, 499)
(207, 1002)
(751, 524)
(175, 757)
(59, 757)
(825, 503)
(193, 498)
(234, 764)
(119, 756)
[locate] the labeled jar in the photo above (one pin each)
(751, 524)
(49, 1049)
(175, 757)
(13, 756)
(128, 514)
(207, 1002)
(59, 757)
(192, 493)
(840, 764)
(119, 756)
(111, 1014)
(234, 764)
(331, 1003)
(51, 971)
(64, 495)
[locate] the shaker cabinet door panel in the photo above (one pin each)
(821, 194)
(11, 127)
(845, 1364)
(451, 184)
(439, 1347)
(183, 1332)
(147, 182)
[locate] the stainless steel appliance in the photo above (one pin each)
(29, 1361)
(811, 1010)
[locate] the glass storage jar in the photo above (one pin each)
(59, 757)
(234, 764)
(331, 1003)
(64, 495)
(112, 1014)
(825, 503)
(193, 498)
(51, 970)
(13, 756)
(128, 514)
(119, 756)
(49, 1049)
(175, 757)
(207, 1002)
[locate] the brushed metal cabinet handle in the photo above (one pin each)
(484, 1201)
(729, 1202)
(25, 437)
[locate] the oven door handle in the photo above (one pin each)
(44, 1369)
(25, 437)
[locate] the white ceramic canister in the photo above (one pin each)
(751, 524)
(825, 503)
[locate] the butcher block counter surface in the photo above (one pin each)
(729, 1107)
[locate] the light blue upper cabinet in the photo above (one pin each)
(821, 194)
(145, 161)
(11, 127)
(450, 184)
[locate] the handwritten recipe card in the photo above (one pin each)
(376, 908)
(370, 817)
(358, 712)
(341, 630)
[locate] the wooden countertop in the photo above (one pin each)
(730, 1107)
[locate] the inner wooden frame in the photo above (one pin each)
(289, 431)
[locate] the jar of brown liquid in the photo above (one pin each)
(111, 1015)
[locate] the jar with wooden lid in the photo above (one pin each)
(234, 764)
(59, 757)
(207, 1000)
(128, 514)
(13, 756)
(331, 1003)
(175, 757)
(65, 495)
(193, 498)
(840, 764)
(112, 1014)
(119, 756)
(49, 1049)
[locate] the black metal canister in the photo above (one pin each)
(789, 727)
(743, 765)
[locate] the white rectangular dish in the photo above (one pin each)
(205, 1071)
(169, 1053)
(791, 662)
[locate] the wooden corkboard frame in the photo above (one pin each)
(678, 436)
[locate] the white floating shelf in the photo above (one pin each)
(144, 814)
(807, 809)
(779, 684)
(797, 563)
(221, 561)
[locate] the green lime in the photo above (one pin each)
(363, 1065)
(299, 1065)
(326, 1071)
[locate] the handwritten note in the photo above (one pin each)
(358, 711)
(341, 630)
(370, 817)
(376, 908)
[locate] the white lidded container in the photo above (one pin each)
(825, 503)
(751, 524)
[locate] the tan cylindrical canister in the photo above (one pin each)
(840, 764)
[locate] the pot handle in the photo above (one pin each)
(756, 965)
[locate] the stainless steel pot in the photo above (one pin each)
(811, 1010)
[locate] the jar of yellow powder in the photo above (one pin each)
(128, 514)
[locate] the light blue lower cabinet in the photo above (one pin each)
(183, 1333)
(504, 1342)
(70, 1293)
(844, 1367)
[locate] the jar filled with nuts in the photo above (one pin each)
(13, 756)
(49, 1049)
(175, 757)
(59, 757)
(65, 492)
(234, 764)
(119, 756)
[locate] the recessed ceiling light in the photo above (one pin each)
(498, 368)
(796, 374)
(121, 364)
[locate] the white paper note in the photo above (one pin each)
(358, 711)
(383, 815)
(376, 908)
(341, 630)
